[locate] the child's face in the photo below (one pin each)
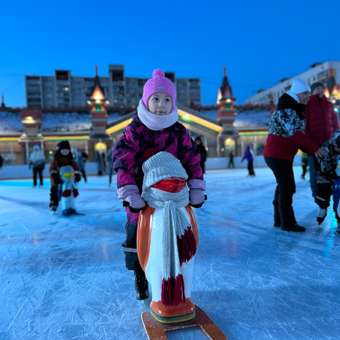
(160, 104)
(65, 152)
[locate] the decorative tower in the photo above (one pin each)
(99, 141)
(226, 140)
(3, 105)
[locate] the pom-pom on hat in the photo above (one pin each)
(159, 83)
(299, 86)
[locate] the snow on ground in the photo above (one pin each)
(64, 278)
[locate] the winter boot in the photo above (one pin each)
(277, 218)
(321, 216)
(141, 285)
(53, 207)
(72, 211)
(68, 212)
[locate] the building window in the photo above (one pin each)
(62, 75)
(117, 75)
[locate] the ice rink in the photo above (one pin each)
(64, 277)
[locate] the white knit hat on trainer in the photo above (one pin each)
(160, 166)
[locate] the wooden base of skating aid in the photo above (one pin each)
(156, 330)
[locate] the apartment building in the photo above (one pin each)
(327, 73)
(63, 90)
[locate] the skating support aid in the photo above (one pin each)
(157, 331)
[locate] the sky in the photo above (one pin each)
(259, 42)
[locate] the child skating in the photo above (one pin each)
(65, 175)
(155, 128)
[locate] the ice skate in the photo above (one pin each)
(321, 216)
(67, 212)
(53, 207)
(295, 228)
(141, 285)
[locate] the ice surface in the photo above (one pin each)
(64, 278)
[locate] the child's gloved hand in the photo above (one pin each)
(197, 197)
(131, 195)
(197, 194)
(135, 201)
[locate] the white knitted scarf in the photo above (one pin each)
(175, 223)
(156, 122)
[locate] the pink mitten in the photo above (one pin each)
(130, 194)
(197, 192)
(196, 197)
(136, 202)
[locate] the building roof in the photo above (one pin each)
(252, 120)
(66, 122)
(225, 90)
(310, 75)
(245, 120)
(10, 123)
(74, 122)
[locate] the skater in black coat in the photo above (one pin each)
(203, 152)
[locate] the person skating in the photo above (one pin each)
(64, 173)
(336, 198)
(231, 164)
(101, 162)
(286, 136)
(81, 159)
(336, 184)
(321, 124)
(248, 155)
(155, 128)
(202, 150)
(37, 163)
(109, 165)
(327, 174)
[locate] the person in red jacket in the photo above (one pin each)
(286, 136)
(321, 124)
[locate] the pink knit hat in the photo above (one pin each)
(159, 83)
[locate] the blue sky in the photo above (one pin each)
(259, 41)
